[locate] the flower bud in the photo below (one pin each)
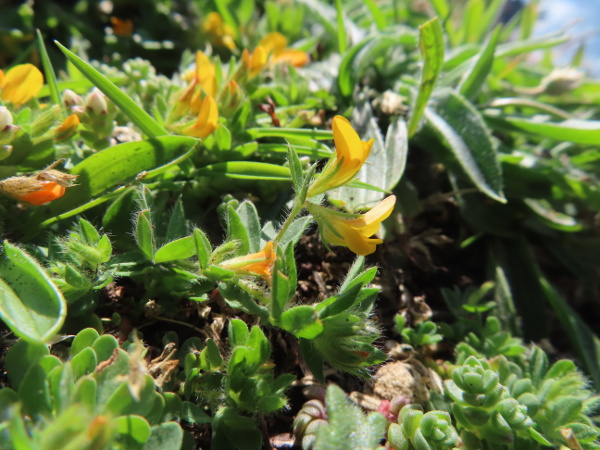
(7, 129)
(5, 151)
(95, 103)
(70, 98)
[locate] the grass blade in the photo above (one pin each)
(48, 70)
(431, 44)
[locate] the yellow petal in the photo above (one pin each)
(296, 58)
(347, 143)
(21, 84)
(207, 119)
(274, 43)
(369, 223)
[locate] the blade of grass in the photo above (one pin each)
(341, 29)
(431, 44)
(377, 14)
(289, 133)
(137, 115)
(48, 70)
(474, 78)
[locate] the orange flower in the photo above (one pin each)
(255, 62)
(40, 188)
(351, 154)
(20, 84)
(260, 263)
(121, 27)
(221, 33)
(353, 232)
(207, 119)
(276, 44)
(67, 129)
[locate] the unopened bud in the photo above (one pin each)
(95, 103)
(562, 81)
(7, 129)
(5, 151)
(70, 98)
(6, 118)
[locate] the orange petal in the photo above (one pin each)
(50, 191)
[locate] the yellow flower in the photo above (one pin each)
(206, 74)
(351, 154)
(221, 34)
(260, 263)
(255, 62)
(21, 83)
(276, 44)
(207, 119)
(354, 233)
(67, 129)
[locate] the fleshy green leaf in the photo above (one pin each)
(30, 304)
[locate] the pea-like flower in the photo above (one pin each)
(20, 84)
(351, 154)
(207, 120)
(276, 44)
(67, 128)
(254, 63)
(221, 34)
(260, 264)
(347, 230)
(42, 187)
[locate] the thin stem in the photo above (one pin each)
(295, 211)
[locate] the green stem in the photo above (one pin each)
(295, 211)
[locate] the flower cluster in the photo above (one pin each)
(337, 228)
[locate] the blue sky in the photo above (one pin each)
(561, 14)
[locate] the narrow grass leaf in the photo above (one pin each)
(377, 13)
(48, 70)
(572, 130)
(476, 76)
(341, 29)
(431, 44)
(246, 170)
(290, 133)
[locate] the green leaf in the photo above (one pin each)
(249, 218)
(377, 13)
(105, 346)
(585, 342)
(137, 115)
(85, 338)
(236, 231)
(144, 234)
(202, 246)
(30, 304)
(135, 428)
(476, 76)
(431, 43)
(183, 248)
(302, 321)
(312, 358)
(20, 357)
(34, 393)
(462, 130)
(176, 228)
(295, 168)
(341, 29)
(290, 133)
(84, 362)
(279, 290)
(113, 166)
(246, 170)
(573, 130)
(166, 436)
(347, 427)
(48, 70)
(238, 332)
